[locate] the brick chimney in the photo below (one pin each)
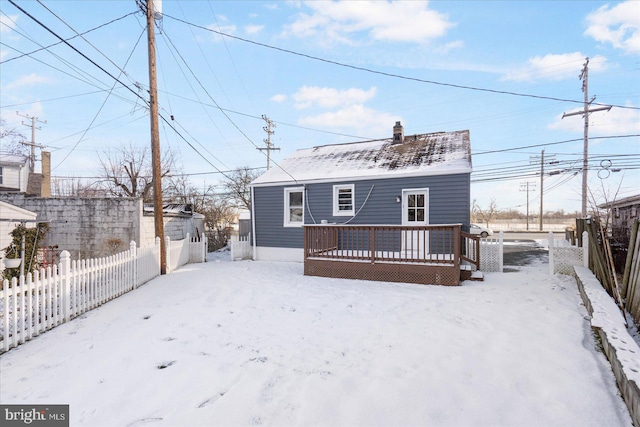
(398, 133)
(46, 174)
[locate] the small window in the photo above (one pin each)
(343, 200)
(293, 207)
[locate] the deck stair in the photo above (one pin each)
(468, 271)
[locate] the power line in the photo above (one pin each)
(554, 143)
(383, 73)
(95, 117)
(75, 49)
(70, 38)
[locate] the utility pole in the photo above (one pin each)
(155, 135)
(584, 76)
(33, 144)
(542, 161)
(524, 186)
(267, 141)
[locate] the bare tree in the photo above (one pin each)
(180, 190)
(76, 187)
(10, 139)
(237, 185)
(485, 215)
(219, 216)
(127, 172)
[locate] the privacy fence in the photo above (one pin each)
(594, 252)
(35, 303)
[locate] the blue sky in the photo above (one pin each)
(330, 72)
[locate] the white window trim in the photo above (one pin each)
(336, 190)
(287, 191)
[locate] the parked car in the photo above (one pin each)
(482, 231)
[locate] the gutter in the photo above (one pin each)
(253, 223)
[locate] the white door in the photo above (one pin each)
(415, 212)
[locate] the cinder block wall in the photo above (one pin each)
(86, 227)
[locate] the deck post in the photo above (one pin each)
(457, 252)
(306, 241)
(372, 244)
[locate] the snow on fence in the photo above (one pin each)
(491, 253)
(185, 251)
(563, 257)
(47, 298)
(241, 247)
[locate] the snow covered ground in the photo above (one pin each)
(257, 343)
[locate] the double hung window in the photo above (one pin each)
(293, 207)
(343, 200)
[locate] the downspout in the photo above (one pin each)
(253, 222)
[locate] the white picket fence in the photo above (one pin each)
(241, 247)
(185, 251)
(38, 302)
(563, 257)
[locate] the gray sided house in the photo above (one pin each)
(404, 180)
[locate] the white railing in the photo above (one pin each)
(241, 247)
(563, 257)
(47, 298)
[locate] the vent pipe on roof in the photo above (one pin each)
(398, 133)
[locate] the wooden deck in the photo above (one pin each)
(433, 254)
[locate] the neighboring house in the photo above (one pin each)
(17, 175)
(403, 180)
(10, 216)
(96, 227)
(623, 213)
(14, 172)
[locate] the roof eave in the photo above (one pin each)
(457, 171)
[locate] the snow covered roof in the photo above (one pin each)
(13, 159)
(426, 154)
(621, 203)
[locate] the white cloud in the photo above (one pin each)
(340, 21)
(355, 116)
(279, 98)
(618, 25)
(7, 23)
(253, 29)
(617, 121)
(446, 48)
(222, 26)
(26, 80)
(555, 67)
(308, 96)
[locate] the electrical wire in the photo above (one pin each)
(101, 106)
(70, 38)
(393, 75)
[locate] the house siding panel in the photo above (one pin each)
(449, 201)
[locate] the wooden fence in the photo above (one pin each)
(630, 289)
(35, 303)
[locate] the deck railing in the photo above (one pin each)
(431, 254)
(430, 244)
(471, 252)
